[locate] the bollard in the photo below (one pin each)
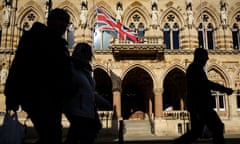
(120, 132)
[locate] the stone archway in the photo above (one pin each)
(103, 86)
(174, 93)
(137, 94)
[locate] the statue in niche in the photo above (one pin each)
(154, 15)
(7, 4)
(83, 16)
(190, 17)
(223, 12)
(154, 2)
(48, 7)
(189, 12)
(189, 4)
(4, 74)
(119, 12)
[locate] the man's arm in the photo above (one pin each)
(219, 87)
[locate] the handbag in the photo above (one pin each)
(11, 131)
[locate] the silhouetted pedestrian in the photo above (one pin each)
(40, 76)
(199, 101)
(81, 108)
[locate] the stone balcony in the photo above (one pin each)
(151, 48)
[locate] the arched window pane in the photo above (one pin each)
(235, 36)
(106, 40)
(210, 36)
(141, 31)
(132, 27)
(70, 36)
(101, 39)
(200, 36)
(175, 36)
(0, 36)
(238, 99)
(214, 98)
(221, 101)
(166, 35)
(97, 39)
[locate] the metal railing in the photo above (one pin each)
(176, 115)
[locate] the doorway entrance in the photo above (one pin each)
(174, 93)
(137, 94)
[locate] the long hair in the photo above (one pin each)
(82, 55)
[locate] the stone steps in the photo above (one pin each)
(139, 127)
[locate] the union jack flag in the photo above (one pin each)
(109, 24)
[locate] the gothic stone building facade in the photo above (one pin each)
(144, 81)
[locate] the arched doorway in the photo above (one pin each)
(103, 86)
(137, 94)
(174, 93)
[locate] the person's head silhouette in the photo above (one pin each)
(58, 20)
(200, 56)
(83, 51)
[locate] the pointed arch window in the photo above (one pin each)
(70, 36)
(171, 36)
(236, 36)
(206, 36)
(175, 36)
(166, 35)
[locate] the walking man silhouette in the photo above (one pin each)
(39, 79)
(199, 101)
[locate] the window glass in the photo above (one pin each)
(210, 36)
(235, 36)
(70, 36)
(238, 99)
(0, 36)
(175, 36)
(200, 36)
(221, 101)
(141, 30)
(101, 39)
(214, 98)
(166, 35)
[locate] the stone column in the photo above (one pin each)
(158, 102)
(150, 111)
(117, 103)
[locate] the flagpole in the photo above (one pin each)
(203, 28)
(203, 32)
(93, 27)
(93, 30)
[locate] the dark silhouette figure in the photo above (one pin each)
(40, 76)
(80, 109)
(199, 101)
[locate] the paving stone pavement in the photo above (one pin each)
(111, 138)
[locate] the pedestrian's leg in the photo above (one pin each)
(88, 134)
(215, 124)
(48, 127)
(73, 131)
(194, 133)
